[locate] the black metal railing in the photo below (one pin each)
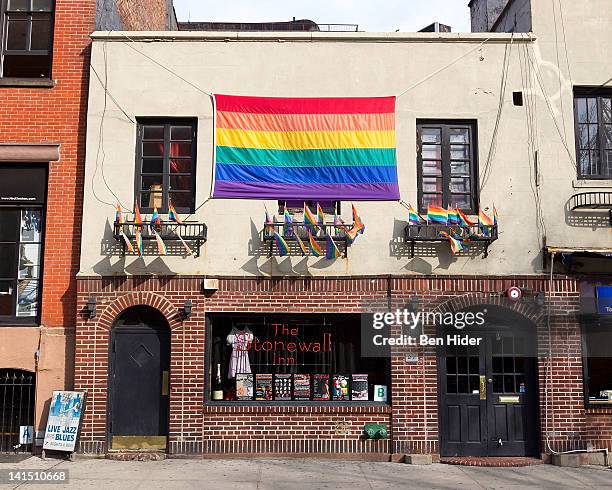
(16, 408)
(193, 233)
(338, 234)
(591, 200)
(427, 232)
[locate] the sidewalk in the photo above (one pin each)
(305, 474)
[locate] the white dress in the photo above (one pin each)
(239, 361)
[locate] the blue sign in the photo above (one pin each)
(604, 299)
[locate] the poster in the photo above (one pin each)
(359, 387)
(340, 388)
(282, 387)
(244, 386)
(63, 422)
(301, 386)
(263, 387)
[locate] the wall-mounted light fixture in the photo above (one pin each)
(90, 309)
(185, 311)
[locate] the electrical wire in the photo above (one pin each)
(431, 75)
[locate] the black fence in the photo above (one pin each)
(16, 408)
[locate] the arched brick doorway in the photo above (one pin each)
(138, 385)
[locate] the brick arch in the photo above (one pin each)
(113, 309)
(521, 307)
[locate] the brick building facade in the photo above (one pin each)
(160, 353)
(42, 160)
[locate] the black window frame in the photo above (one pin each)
(312, 204)
(167, 123)
(597, 93)
(209, 368)
(14, 320)
(444, 125)
(590, 324)
(30, 14)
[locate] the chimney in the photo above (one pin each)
(484, 13)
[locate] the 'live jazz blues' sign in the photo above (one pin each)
(604, 300)
(63, 423)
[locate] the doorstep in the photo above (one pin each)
(493, 462)
(136, 455)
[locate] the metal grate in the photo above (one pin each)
(16, 408)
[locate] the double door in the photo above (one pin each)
(489, 396)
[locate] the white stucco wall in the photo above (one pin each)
(341, 65)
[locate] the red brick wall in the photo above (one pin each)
(57, 115)
(143, 15)
(413, 416)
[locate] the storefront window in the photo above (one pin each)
(291, 358)
(597, 361)
(20, 259)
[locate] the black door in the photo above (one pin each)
(139, 377)
(489, 395)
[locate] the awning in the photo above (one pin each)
(599, 251)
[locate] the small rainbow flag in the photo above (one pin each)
(161, 246)
(352, 233)
(310, 220)
(288, 227)
(437, 215)
(119, 221)
(413, 216)
(494, 215)
(139, 241)
(173, 215)
(331, 250)
(463, 219)
(315, 248)
(484, 222)
(155, 218)
(283, 248)
(453, 217)
(301, 245)
(268, 224)
(338, 223)
(456, 245)
(320, 215)
(358, 224)
(137, 217)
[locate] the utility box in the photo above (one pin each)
(375, 431)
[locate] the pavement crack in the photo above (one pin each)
(365, 477)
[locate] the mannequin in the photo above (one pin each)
(240, 340)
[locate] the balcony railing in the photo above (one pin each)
(592, 201)
(288, 232)
(472, 235)
(192, 233)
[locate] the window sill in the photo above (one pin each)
(297, 407)
(16, 324)
(28, 82)
(592, 183)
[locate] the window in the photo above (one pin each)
(597, 359)
(593, 113)
(166, 165)
(20, 261)
(26, 31)
(298, 358)
(446, 165)
(296, 206)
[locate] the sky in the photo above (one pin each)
(371, 15)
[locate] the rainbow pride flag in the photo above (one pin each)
(310, 220)
(463, 219)
(455, 244)
(494, 215)
(437, 215)
(358, 224)
(320, 215)
(288, 226)
(453, 217)
(118, 214)
(484, 222)
(331, 250)
(119, 221)
(155, 218)
(137, 216)
(413, 217)
(338, 224)
(315, 248)
(173, 215)
(283, 248)
(305, 148)
(161, 246)
(301, 245)
(139, 241)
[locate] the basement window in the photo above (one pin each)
(26, 31)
